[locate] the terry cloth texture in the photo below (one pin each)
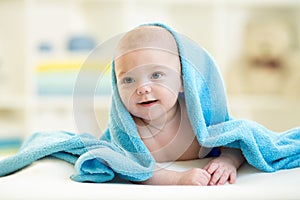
(121, 152)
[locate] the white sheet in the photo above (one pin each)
(49, 179)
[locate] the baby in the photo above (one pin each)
(148, 72)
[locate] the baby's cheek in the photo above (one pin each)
(127, 97)
(172, 84)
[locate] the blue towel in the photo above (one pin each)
(120, 151)
(69, 147)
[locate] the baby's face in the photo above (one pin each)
(149, 82)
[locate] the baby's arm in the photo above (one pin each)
(195, 176)
(224, 168)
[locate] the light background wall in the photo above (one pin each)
(38, 71)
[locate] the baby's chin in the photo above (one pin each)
(148, 119)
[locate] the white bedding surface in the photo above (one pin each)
(49, 179)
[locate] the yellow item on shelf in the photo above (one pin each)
(57, 66)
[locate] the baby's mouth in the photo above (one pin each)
(148, 103)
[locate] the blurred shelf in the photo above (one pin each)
(214, 2)
(208, 22)
(13, 102)
(273, 111)
(67, 102)
(270, 3)
(262, 101)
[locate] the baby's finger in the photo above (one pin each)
(212, 168)
(206, 174)
(224, 177)
(232, 178)
(203, 180)
(216, 176)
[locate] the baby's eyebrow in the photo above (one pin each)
(120, 74)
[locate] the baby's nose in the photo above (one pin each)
(144, 89)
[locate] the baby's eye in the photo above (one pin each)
(157, 75)
(128, 80)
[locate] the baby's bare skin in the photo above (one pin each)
(176, 141)
(148, 72)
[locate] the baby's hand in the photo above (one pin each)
(221, 169)
(195, 176)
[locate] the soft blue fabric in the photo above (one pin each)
(94, 166)
(121, 152)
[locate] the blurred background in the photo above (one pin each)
(44, 43)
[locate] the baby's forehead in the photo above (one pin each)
(147, 60)
(148, 37)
